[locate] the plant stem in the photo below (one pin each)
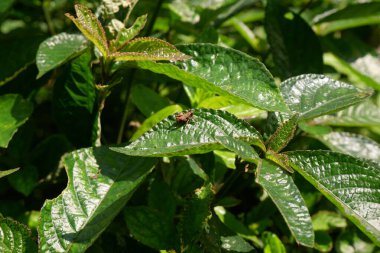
(49, 22)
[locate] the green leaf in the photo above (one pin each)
(224, 71)
(283, 135)
(58, 50)
(147, 100)
(155, 118)
(292, 41)
(235, 243)
(239, 147)
(100, 184)
(323, 241)
(315, 95)
(280, 187)
(272, 244)
(126, 34)
(5, 5)
(149, 49)
(74, 101)
(349, 183)
(151, 228)
(196, 136)
(90, 26)
(352, 16)
(327, 220)
(351, 241)
(352, 144)
(4, 173)
(15, 237)
(25, 181)
(14, 112)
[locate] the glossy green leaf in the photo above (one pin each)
(239, 147)
(100, 184)
(361, 115)
(224, 71)
(4, 173)
(90, 26)
(292, 41)
(151, 228)
(75, 100)
(314, 95)
(14, 112)
(327, 220)
(149, 49)
(196, 136)
(349, 183)
(147, 100)
(15, 237)
(283, 135)
(235, 243)
(352, 16)
(284, 193)
(58, 50)
(352, 144)
(272, 244)
(156, 118)
(126, 34)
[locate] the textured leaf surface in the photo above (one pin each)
(197, 135)
(283, 135)
(292, 41)
(352, 16)
(149, 49)
(100, 184)
(239, 147)
(350, 183)
(14, 112)
(15, 237)
(126, 34)
(280, 187)
(314, 95)
(352, 144)
(224, 71)
(57, 50)
(90, 26)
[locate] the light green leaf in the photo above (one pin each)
(100, 184)
(351, 241)
(349, 183)
(314, 95)
(15, 237)
(352, 144)
(280, 187)
(58, 50)
(224, 71)
(196, 136)
(272, 244)
(149, 49)
(14, 112)
(126, 34)
(155, 118)
(352, 16)
(90, 26)
(4, 173)
(327, 220)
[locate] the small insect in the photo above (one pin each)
(184, 117)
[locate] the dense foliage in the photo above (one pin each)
(189, 126)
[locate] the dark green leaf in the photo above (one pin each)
(75, 100)
(151, 228)
(239, 147)
(57, 50)
(280, 187)
(349, 183)
(147, 100)
(235, 243)
(272, 244)
(14, 112)
(292, 41)
(90, 26)
(352, 16)
(4, 173)
(5, 5)
(283, 135)
(224, 71)
(162, 199)
(25, 180)
(323, 241)
(100, 184)
(351, 241)
(15, 237)
(196, 136)
(314, 95)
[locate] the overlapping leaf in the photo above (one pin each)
(224, 71)
(100, 183)
(313, 95)
(280, 187)
(15, 237)
(126, 34)
(351, 184)
(198, 135)
(90, 26)
(57, 50)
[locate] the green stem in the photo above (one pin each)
(45, 8)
